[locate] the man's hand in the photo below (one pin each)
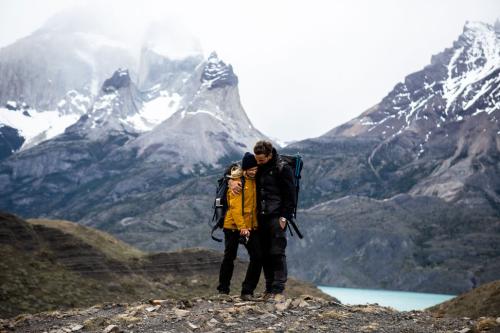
(283, 222)
(235, 186)
(245, 232)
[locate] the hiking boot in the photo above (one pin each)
(267, 296)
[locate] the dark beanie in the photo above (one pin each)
(248, 161)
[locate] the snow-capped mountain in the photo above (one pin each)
(462, 81)
(443, 120)
(54, 76)
(51, 77)
(210, 125)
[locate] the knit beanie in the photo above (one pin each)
(248, 161)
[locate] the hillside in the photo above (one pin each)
(48, 265)
(480, 302)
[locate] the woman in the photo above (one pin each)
(240, 226)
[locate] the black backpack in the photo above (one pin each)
(295, 163)
(220, 205)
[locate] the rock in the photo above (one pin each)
(370, 309)
(303, 304)
(153, 308)
(296, 302)
(370, 327)
(157, 301)
(279, 298)
(193, 326)
(243, 303)
(282, 306)
(181, 313)
(212, 322)
(334, 314)
(268, 315)
(465, 330)
(231, 310)
(75, 327)
(111, 329)
(486, 324)
(128, 318)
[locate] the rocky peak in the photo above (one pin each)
(217, 74)
(118, 102)
(120, 79)
(459, 82)
(479, 43)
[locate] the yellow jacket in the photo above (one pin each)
(234, 219)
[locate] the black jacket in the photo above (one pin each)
(275, 188)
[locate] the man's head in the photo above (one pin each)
(263, 151)
(249, 165)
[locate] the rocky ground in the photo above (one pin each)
(231, 314)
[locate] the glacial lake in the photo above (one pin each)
(399, 300)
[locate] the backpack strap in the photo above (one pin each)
(243, 197)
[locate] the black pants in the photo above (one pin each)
(231, 242)
(273, 242)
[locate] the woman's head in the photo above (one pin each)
(249, 165)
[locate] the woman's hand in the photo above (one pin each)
(245, 232)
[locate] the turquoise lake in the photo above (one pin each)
(399, 300)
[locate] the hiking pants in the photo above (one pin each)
(231, 243)
(273, 242)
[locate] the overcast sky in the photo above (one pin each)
(304, 67)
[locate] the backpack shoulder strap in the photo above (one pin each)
(243, 196)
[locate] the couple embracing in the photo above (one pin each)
(261, 200)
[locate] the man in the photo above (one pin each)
(275, 204)
(240, 226)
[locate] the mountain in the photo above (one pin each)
(438, 130)
(210, 127)
(54, 76)
(405, 196)
(109, 169)
(410, 189)
(50, 78)
(50, 265)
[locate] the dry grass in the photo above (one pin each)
(104, 242)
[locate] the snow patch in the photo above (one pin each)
(47, 123)
(155, 111)
(193, 113)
